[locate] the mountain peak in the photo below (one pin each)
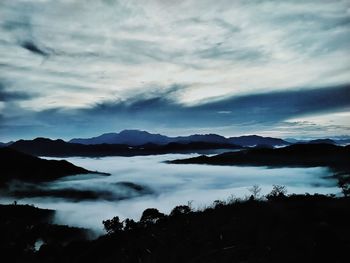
(131, 137)
(132, 131)
(43, 139)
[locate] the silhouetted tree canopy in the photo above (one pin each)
(151, 215)
(129, 224)
(344, 184)
(255, 190)
(180, 210)
(278, 191)
(113, 225)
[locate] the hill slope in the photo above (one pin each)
(21, 166)
(302, 155)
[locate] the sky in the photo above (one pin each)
(80, 68)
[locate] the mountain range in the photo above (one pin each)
(137, 138)
(136, 142)
(60, 148)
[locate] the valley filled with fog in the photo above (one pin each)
(141, 182)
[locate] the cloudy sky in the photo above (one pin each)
(75, 68)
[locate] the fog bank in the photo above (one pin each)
(163, 186)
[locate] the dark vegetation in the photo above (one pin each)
(20, 166)
(278, 228)
(25, 228)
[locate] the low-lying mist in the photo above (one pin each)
(141, 182)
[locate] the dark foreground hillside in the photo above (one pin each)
(23, 228)
(282, 229)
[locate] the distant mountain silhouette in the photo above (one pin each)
(4, 144)
(343, 141)
(326, 141)
(136, 138)
(252, 140)
(331, 141)
(20, 166)
(135, 142)
(48, 147)
(129, 137)
(314, 141)
(209, 138)
(297, 155)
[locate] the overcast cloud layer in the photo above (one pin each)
(72, 68)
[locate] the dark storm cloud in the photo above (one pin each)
(275, 106)
(255, 108)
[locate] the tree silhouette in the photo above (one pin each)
(180, 210)
(278, 191)
(151, 215)
(255, 190)
(129, 224)
(113, 225)
(344, 184)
